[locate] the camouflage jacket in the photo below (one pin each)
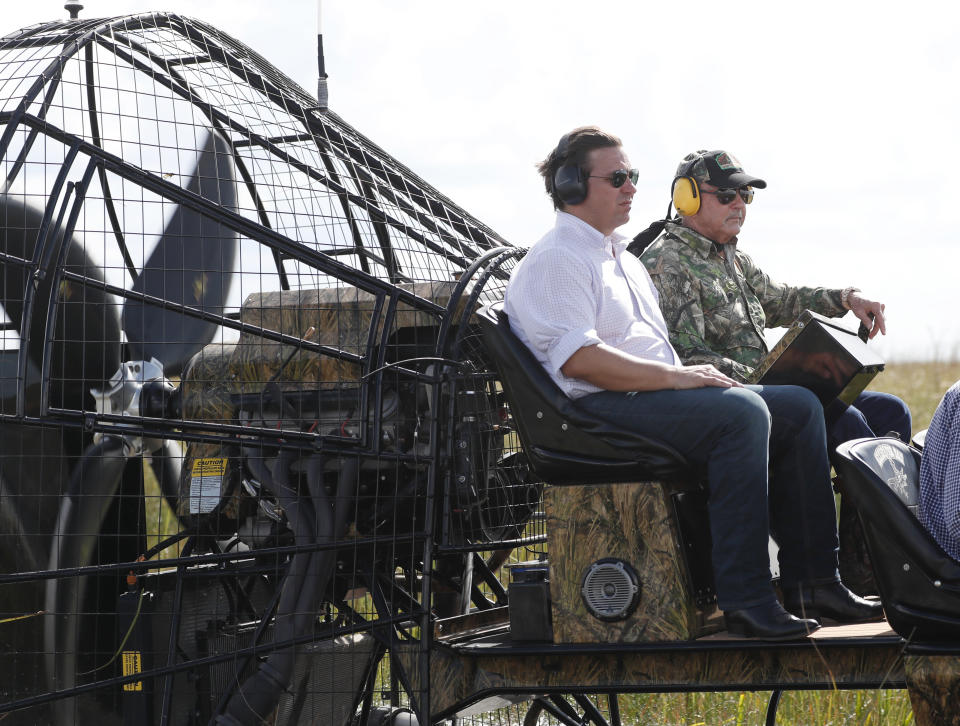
(717, 302)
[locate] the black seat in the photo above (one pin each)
(918, 582)
(564, 444)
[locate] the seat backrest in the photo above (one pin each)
(919, 439)
(895, 465)
(919, 583)
(563, 443)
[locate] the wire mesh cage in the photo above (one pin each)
(251, 448)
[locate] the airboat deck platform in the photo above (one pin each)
(472, 667)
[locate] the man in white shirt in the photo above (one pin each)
(589, 313)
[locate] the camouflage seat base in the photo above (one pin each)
(635, 527)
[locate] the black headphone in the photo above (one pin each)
(569, 181)
(685, 190)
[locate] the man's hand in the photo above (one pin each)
(702, 376)
(862, 308)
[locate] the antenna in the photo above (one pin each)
(74, 10)
(322, 77)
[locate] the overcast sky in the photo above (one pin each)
(848, 110)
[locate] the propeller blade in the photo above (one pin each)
(86, 348)
(192, 264)
(90, 494)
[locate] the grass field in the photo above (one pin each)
(921, 385)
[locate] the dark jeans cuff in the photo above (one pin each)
(812, 582)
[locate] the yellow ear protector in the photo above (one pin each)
(686, 196)
(569, 182)
(685, 189)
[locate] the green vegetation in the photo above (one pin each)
(797, 708)
(921, 385)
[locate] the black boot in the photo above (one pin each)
(768, 622)
(833, 601)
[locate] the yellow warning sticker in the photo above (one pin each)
(131, 666)
(209, 467)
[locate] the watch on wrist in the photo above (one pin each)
(845, 296)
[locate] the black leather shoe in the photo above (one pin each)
(768, 622)
(832, 601)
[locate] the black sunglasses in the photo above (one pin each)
(620, 176)
(725, 196)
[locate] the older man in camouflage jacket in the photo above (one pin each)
(717, 302)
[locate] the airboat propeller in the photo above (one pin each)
(191, 266)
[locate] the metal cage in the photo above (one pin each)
(249, 454)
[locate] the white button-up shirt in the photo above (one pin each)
(576, 288)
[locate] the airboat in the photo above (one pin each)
(269, 452)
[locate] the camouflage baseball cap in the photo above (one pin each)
(719, 168)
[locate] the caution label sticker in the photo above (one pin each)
(206, 479)
(132, 666)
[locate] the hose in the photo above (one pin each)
(313, 520)
(258, 695)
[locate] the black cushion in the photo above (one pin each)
(919, 583)
(564, 444)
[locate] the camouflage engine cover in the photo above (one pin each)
(222, 382)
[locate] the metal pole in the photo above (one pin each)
(321, 68)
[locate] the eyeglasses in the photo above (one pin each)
(620, 176)
(725, 196)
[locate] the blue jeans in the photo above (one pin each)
(739, 434)
(872, 414)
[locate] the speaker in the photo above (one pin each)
(569, 181)
(610, 589)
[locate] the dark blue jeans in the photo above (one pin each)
(872, 414)
(738, 433)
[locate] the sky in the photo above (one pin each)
(848, 111)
